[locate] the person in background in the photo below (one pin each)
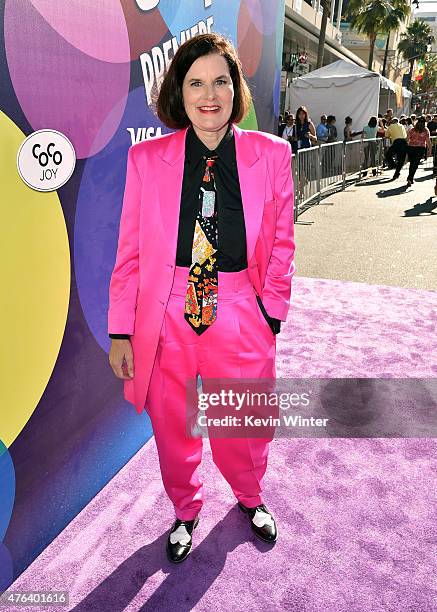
(398, 137)
(332, 129)
(281, 125)
(348, 133)
(305, 132)
(336, 154)
(432, 125)
(403, 120)
(389, 116)
(322, 138)
(322, 130)
(381, 128)
(369, 132)
(409, 124)
(289, 133)
(434, 169)
(413, 119)
(428, 118)
(419, 145)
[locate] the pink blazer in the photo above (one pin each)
(146, 254)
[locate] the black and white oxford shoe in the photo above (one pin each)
(262, 522)
(180, 539)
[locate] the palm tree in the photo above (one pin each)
(414, 43)
(372, 17)
(393, 21)
(325, 15)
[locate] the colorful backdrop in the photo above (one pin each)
(88, 70)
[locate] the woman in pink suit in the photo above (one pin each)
(202, 277)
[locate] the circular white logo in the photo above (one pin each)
(147, 5)
(46, 160)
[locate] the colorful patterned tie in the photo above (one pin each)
(202, 290)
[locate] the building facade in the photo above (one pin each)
(301, 39)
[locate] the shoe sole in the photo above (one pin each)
(257, 534)
(263, 540)
(196, 522)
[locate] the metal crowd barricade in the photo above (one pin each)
(386, 143)
(306, 174)
(352, 157)
(372, 154)
(431, 162)
(329, 165)
(379, 155)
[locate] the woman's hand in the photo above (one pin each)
(311, 134)
(121, 359)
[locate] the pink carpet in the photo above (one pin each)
(337, 328)
(356, 517)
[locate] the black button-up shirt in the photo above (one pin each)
(232, 250)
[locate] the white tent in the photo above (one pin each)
(341, 89)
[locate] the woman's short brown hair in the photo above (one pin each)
(170, 105)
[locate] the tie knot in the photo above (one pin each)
(210, 161)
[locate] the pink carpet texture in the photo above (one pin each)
(356, 517)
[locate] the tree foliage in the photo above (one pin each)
(429, 81)
(414, 41)
(373, 17)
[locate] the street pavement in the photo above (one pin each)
(378, 231)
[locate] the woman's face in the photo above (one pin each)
(301, 116)
(208, 85)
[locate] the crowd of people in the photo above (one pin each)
(410, 137)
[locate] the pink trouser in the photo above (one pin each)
(239, 344)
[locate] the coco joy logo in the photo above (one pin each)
(46, 160)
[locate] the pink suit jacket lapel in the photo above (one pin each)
(251, 172)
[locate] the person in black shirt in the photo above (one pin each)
(281, 124)
(202, 277)
(432, 126)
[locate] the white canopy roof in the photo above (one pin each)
(341, 89)
(338, 74)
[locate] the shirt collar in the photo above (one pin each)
(195, 149)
